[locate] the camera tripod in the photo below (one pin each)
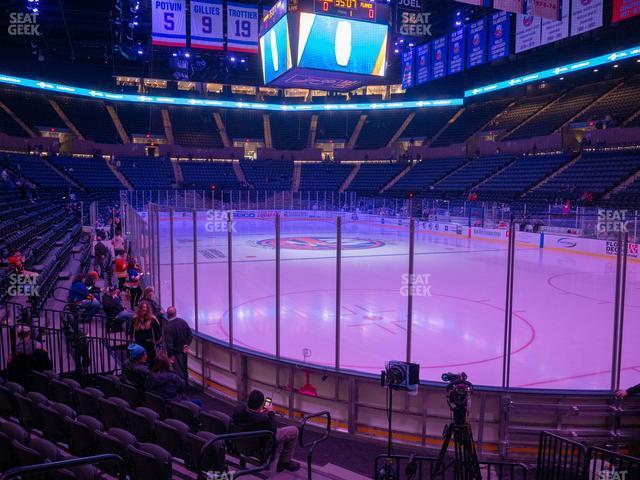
(465, 464)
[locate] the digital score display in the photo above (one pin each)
(352, 9)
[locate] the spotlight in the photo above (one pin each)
(187, 55)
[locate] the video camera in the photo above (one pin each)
(459, 391)
(400, 376)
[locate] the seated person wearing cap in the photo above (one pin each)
(254, 416)
(80, 295)
(135, 370)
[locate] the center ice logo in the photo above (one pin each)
(321, 243)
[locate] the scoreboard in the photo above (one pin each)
(333, 45)
(353, 9)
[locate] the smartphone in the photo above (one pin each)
(267, 402)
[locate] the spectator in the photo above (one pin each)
(29, 355)
(115, 311)
(146, 330)
(100, 253)
(120, 267)
(133, 283)
(177, 337)
(149, 296)
(135, 371)
(16, 264)
(118, 244)
(255, 416)
(628, 392)
(163, 381)
(80, 296)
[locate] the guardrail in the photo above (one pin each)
(230, 438)
(314, 443)
(559, 457)
(27, 471)
(424, 468)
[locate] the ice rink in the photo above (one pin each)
(562, 316)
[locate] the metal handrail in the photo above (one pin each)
(227, 437)
(73, 462)
(503, 470)
(312, 445)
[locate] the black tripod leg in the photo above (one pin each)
(439, 466)
(466, 454)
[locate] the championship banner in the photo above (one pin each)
(623, 9)
(477, 43)
(499, 32)
(552, 31)
(549, 9)
(407, 69)
(242, 28)
(457, 50)
(528, 32)
(422, 63)
(515, 6)
(439, 58)
(169, 23)
(585, 15)
(206, 24)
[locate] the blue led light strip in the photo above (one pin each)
(557, 71)
(274, 107)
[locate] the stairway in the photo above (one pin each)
(239, 173)
(395, 179)
(401, 129)
(124, 138)
(67, 178)
(622, 186)
(528, 119)
(452, 173)
(168, 128)
(450, 122)
(17, 119)
(356, 131)
(297, 175)
(222, 129)
(119, 175)
(266, 121)
(177, 172)
(350, 177)
(553, 175)
(482, 182)
(313, 128)
(63, 116)
(604, 95)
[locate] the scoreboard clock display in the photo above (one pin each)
(353, 9)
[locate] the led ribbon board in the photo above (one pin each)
(190, 102)
(557, 71)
